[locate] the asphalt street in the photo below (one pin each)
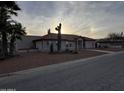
(98, 73)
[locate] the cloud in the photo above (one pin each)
(77, 17)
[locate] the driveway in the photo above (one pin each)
(105, 72)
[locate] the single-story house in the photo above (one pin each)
(42, 43)
(110, 43)
(67, 42)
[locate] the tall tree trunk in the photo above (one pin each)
(3, 32)
(4, 44)
(12, 47)
(59, 41)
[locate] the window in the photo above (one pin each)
(56, 43)
(66, 43)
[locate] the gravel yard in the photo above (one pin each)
(35, 59)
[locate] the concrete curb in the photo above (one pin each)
(102, 51)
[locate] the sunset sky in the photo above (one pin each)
(86, 18)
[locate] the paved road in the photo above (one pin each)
(100, 73)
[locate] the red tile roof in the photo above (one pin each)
(68, 37)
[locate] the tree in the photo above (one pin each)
(58, 28)
(7, 8)
(115, 36)
(16, 31)
(0, 44)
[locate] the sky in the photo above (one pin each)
(94, 19)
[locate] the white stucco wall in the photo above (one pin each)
(26, 42)
(89, 44)
(45, 47)
(67, 45)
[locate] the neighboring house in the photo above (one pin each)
(26, 42)
(110, 44)
(67, 42)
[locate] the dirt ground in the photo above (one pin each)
(36, 59)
